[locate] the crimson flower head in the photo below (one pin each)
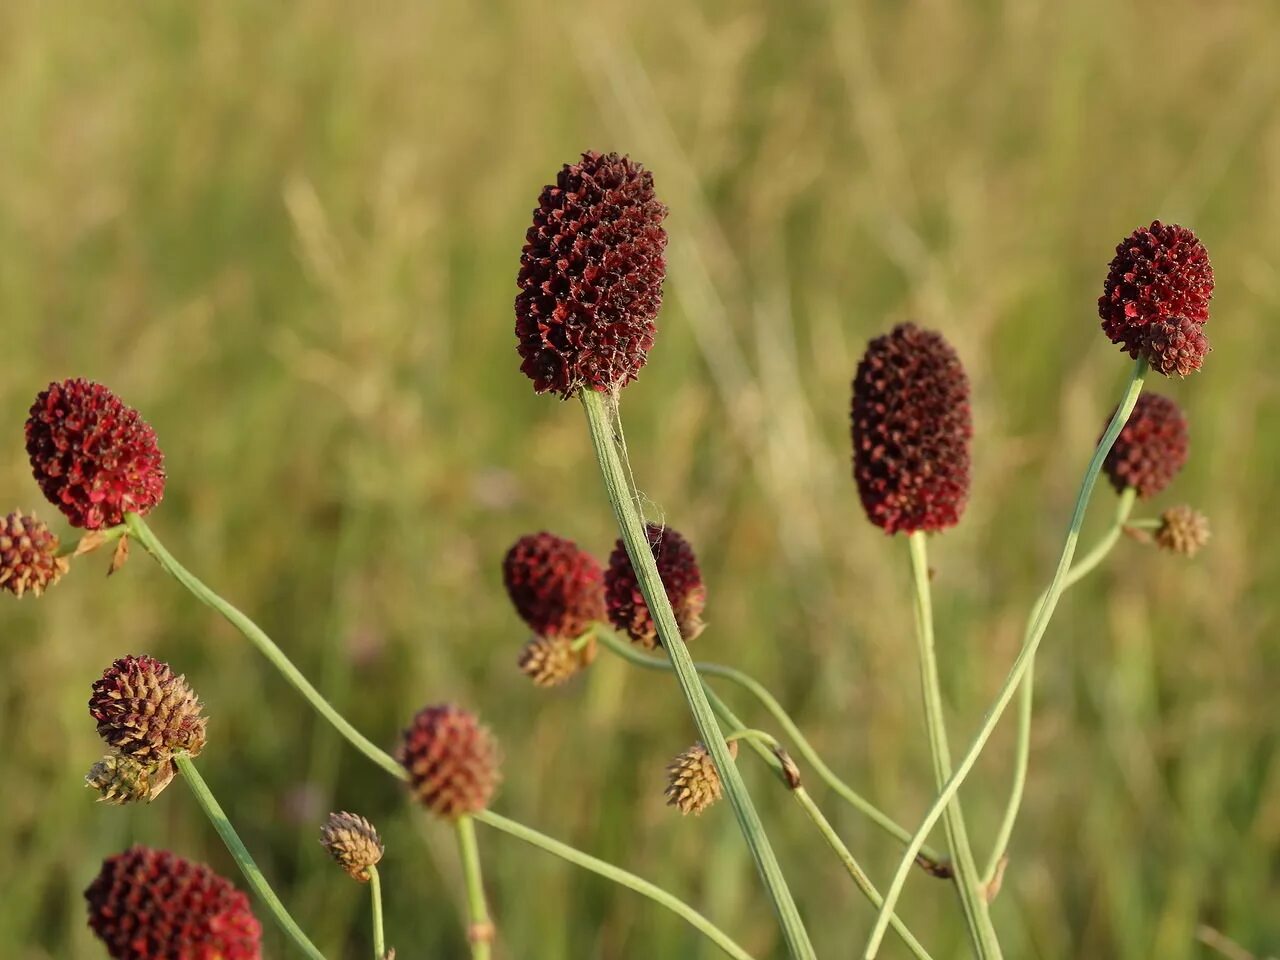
(1155, 300)
(149, 904)
(555, 586)
(95, 458)
(678, 568)
(1151, 448)
(591, 277)
(452, 761)
(911, 431)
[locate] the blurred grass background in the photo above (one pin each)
(289, 234)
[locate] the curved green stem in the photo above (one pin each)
(208, 803)
(611, 457)
(617, 875)
(966, 878)
(266, 646)
(1020, 665)
(480, 930)
(375, 899)
(1026, 691)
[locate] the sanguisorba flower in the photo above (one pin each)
(146, 711)
(1151, 448)
(911, 427)
(1155, 300)
(94, 457)
(452, 761)
(551, 661)
(149, 904)
(555, 586)
(1183, 530)
(678, 568)
(693, 783)
(28, 555)
(353, 842)
(120, 779)
(591, 275)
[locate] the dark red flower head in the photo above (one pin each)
(591, 276)
(911, 431)
(146, 711)
(149, 904)
(678, 568)
(1151, 448)
(95, 458)
(452, 761)
(556, 587)
(1156, 298)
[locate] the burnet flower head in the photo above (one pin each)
(1150, 449)
(680, 575)
(452, 761)
(29, 560)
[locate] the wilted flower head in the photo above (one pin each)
(1182, 530)
(911, 431)
(591, 277)
(95, 458)
(551, 661)
(555, 586)
(353, 842)
(1151, 448)
(28, 555)
(1156, 298)
(149, 904)
(146, 711)
(693, 783)
(452, 761)
(678, 568)
(121, 779)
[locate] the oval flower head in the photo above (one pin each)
(452, 761)
(1151, 448)
(680, 575)
(29, 558)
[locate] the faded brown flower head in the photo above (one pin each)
(120, 779)
(693, 783)
(28, 555)
(1182, 530)
(1151, 447)
(551, 661)
(555, 586)
(146, 711)
(678, 569)
(353, 842)
(452, 761)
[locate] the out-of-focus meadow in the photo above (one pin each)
(289, 234)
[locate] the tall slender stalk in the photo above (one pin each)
(209, 804)
(1020, 665)
(611, 458)
(974, 904)
(480, 929)
(375, 903)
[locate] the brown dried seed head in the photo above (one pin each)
(120, 779)
(693, 783)
(550, 661)
(28, 555)
(353, 842)
(1182, 530)
(146, 711)
(452, 761)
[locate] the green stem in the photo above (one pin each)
(611, 456)
(480, 929)
(139, 529)
(1022, 749)
(208, 803)
(966, 876)
(375, 898)
(618, 876)
(1020, 665)
(930, 859)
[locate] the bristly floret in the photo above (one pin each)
(353, 842)
(93, 456)
(146, 711)
(591, 277)
(911, 428)
(29, 558)
(681, 577)
(452, 761)
(1151, 448)
(1155, 299)
(555, 586)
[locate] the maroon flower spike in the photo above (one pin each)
(28, 555)
(911, 431)
(591, 277)
(1156, 298)
(678, 568)
(146, 711)
(1151, 448)
(95, 458)
(452, 761)
(556, 587)
(152, 905)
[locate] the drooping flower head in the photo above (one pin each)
(146, 711)
(555, 586)
(678, 568)
(120, 779)
(693, 783)
(591, 277)
(1151, 448)
(28, 555)
(911, 431)
(149, 904)
(1182, 530)
(95, 458)
(452, 761)
(353, 842)
(1155, 300)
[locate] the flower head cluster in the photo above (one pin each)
(149, 904)
(693, 783)
(28, 555)
(353, 842)
(591, 277)
(146, 711)
(911, 429)
(1155, 300)
(452, 761)
(678, 568)
(1182, 530)
(1151, 448)
(95, 458)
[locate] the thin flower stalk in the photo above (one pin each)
(1020, 665)
(375, 903)
(480, 929)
